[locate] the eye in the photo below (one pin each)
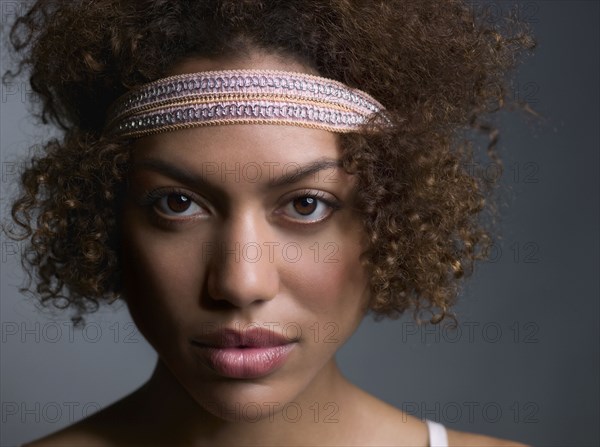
(309, 208)
(175, 204)
(305, 205)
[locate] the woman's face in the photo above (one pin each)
(241, 254)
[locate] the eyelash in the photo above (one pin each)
(320, 196)
(150, 199)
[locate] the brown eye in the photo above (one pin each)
(309, 208)
(178, 203)
(305, 205)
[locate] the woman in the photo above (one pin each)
(252, 178)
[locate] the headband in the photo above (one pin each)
(242, 97)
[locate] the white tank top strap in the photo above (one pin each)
(437, 434)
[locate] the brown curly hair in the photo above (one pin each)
(437, 67)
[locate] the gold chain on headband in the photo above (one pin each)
(242, 97)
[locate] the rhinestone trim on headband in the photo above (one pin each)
(242, 97)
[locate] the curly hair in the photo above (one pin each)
(438, 68)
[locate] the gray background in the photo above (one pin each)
(524, 364)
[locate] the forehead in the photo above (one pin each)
(265, 144)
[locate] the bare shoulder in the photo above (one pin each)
(75, 435)
(61, 439)
(463, 439)
(396, 427)
(101, 429)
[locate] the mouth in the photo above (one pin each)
(243, 355)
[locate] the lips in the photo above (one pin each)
(249, 354)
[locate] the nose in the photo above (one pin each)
(243, 267)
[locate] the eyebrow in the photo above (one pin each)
(294, 175)
(304, 171)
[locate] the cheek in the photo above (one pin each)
(330, 283)
(167, 267)
(163, 278)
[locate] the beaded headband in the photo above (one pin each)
(242, 97)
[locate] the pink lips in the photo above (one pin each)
(243, 355)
